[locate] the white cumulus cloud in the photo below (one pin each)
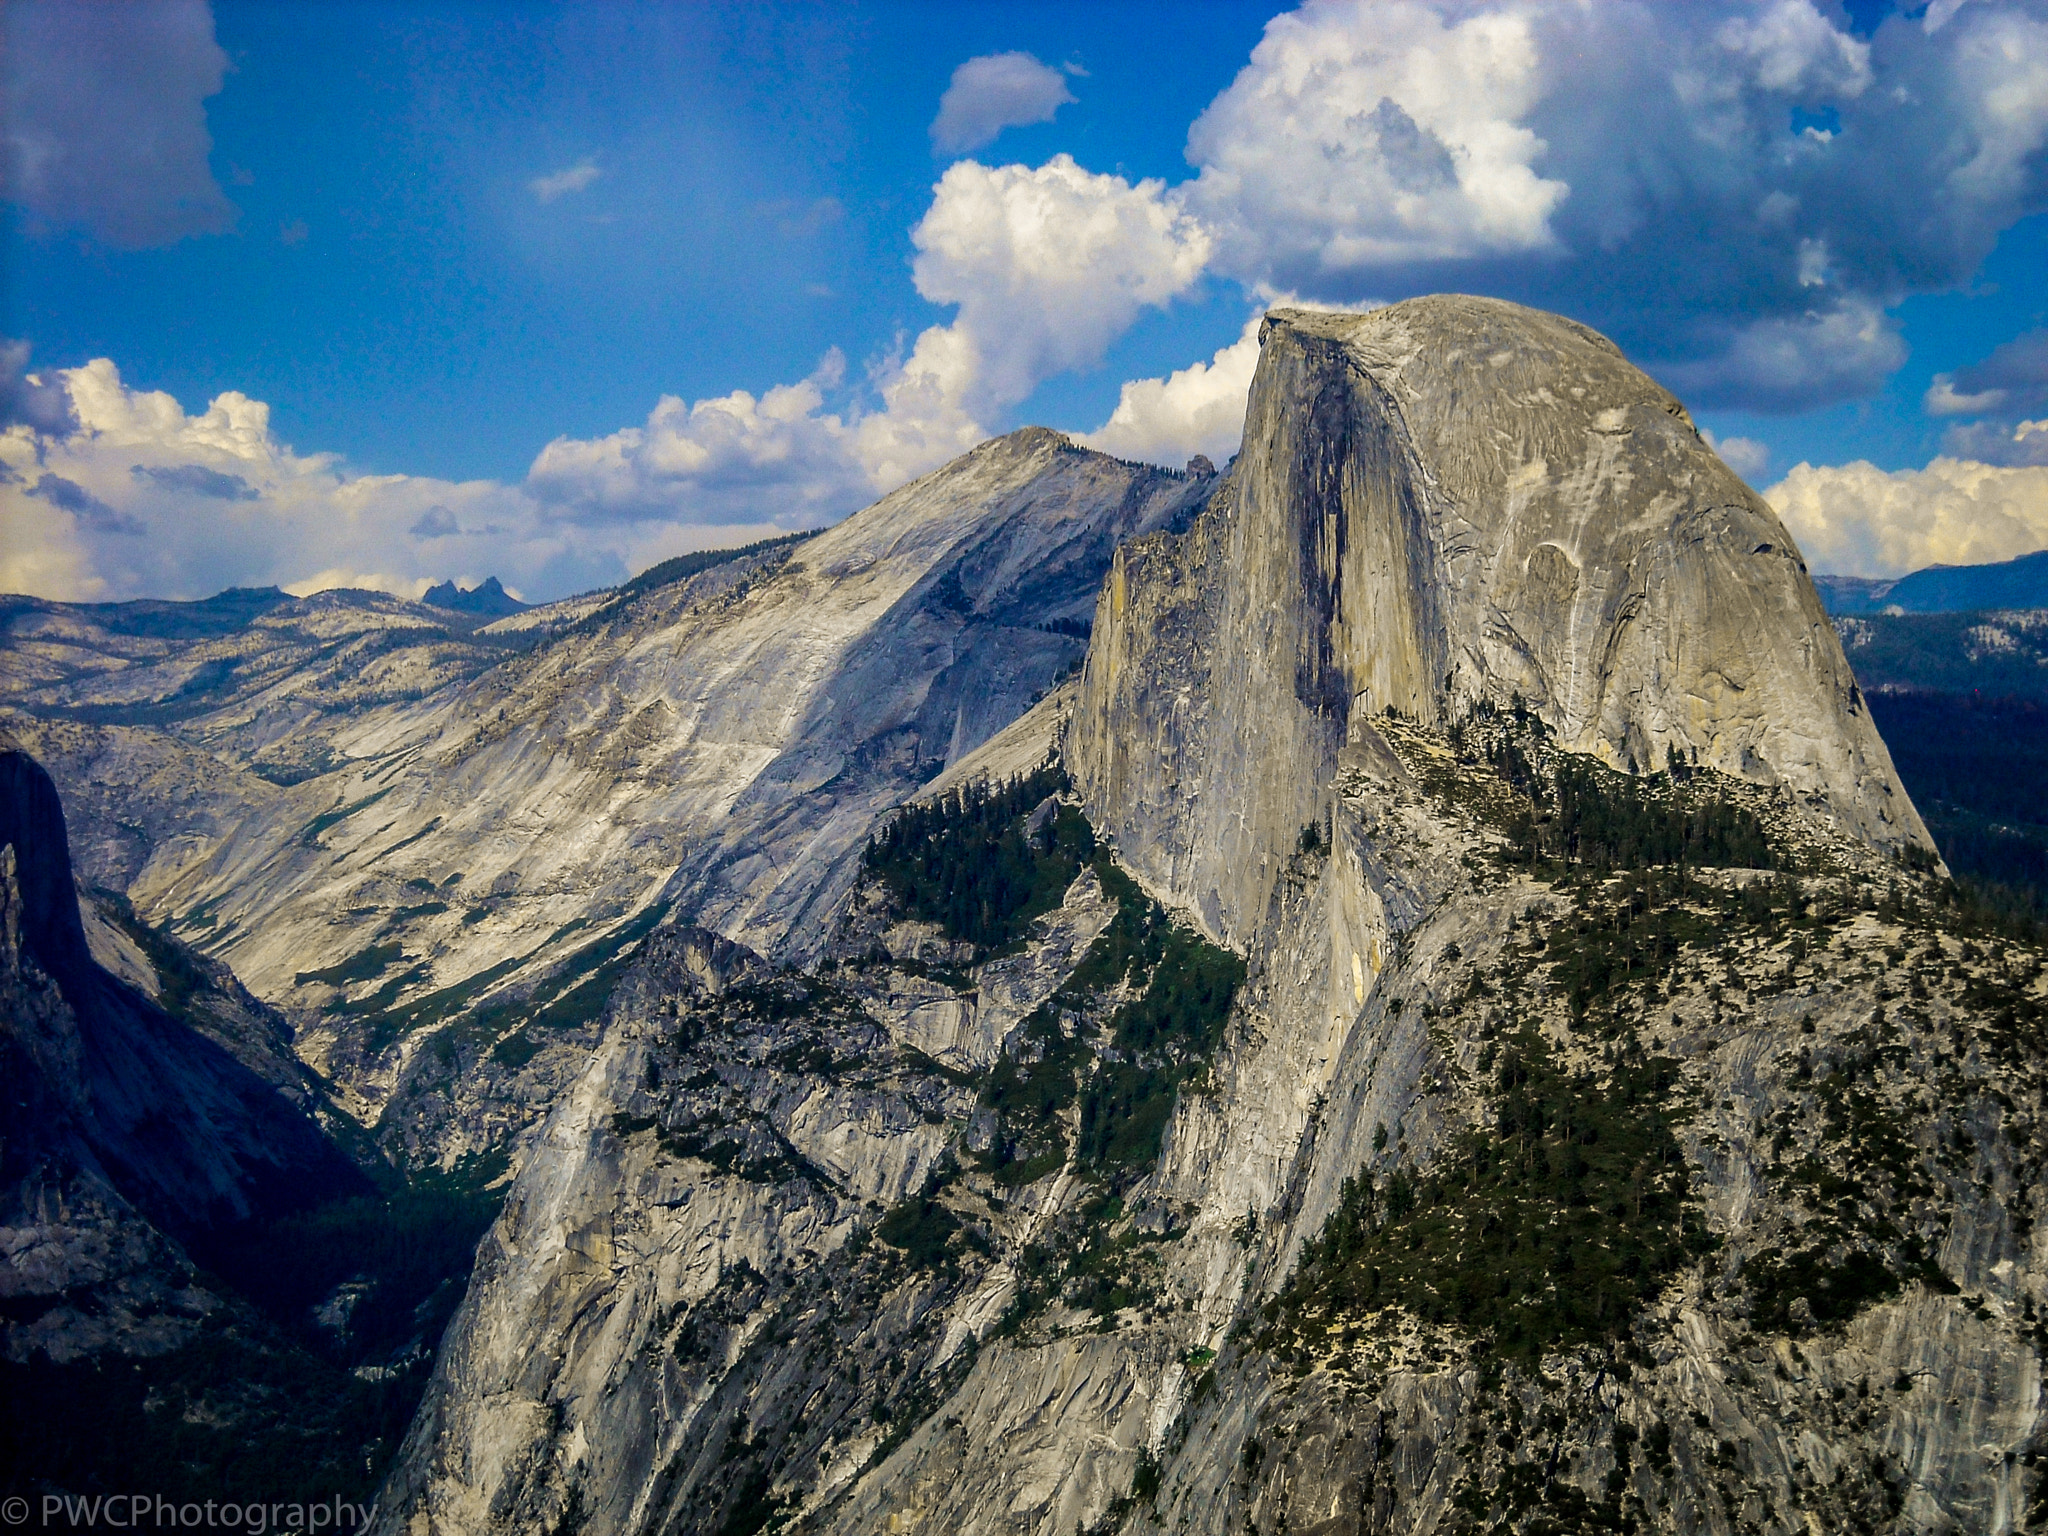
(1046, 268)
(1784, 363)
(1943, 399)
(1363, 134)
(1858, 520)
(2010, 390)
(1740, 191)
(133, 496)
(1049, 266)
(2011, 443)
(108, 491)
(718, 460)
(1737, 190)
(1791, 47)
(994, 92)
(1197, 409)
(1745, 455)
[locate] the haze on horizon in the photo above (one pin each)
(338, 297)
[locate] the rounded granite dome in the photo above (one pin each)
(1447, 501)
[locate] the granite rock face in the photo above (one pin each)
(1464, 839)
(127, 1137)
(416, 840)
(854, 1249)
(1442, 502)
(721, 746)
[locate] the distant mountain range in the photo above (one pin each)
(486, 598)
(1962, 702)
(2021, 583)
(1081, 998)
(1998, 654)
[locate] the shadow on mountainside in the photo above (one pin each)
(205, 1296)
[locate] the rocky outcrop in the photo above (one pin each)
(670, 1333)
(487, 599)
(712, 748)
(1449, 501)
(126, 1138)
(1596, 1115)
(1465, 548)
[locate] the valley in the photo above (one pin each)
(1394, 988)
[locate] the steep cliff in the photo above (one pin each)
(109, 1086)
(202, 1292)
(1448, 1023)
(1597, 1115)
(450, 880)
(1449, 501)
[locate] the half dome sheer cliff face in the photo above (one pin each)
(1450, 1025)
(1444, 502)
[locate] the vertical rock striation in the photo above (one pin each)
(1442, 502)
(1596, 1121)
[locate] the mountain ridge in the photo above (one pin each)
(1437, 1015)
(487, 599)
(2021, 582)
(721, 733)
(945, 1233)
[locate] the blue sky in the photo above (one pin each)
(436, 319)
(411, 247)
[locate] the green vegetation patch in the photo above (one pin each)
(1852, 1162)
(1976, 765)
(409, 1249)
(921, 1226)
(1629, 929)
(983, 863)
(753, 1506)
(1032, 1089)
(1568, 809)
(1547, 1229)
(683, 567)
(2012, 1017)
(1159, 1039)
(1096, 1262)
(731, 1150)
(373, 1004)
(600, 964)
(771, 1000)
(239, 1414)
(182, 981)
(1598, 818)
(582, 984)
(750, 1149)
(1836, 1283)
(407, 842)
(1632, 928)
(971, 862)
(308, 765)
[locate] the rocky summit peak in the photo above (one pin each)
(487, 597)
(1446, 504)
(1577, 1102)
